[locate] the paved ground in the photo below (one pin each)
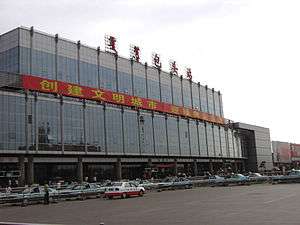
(256, 204)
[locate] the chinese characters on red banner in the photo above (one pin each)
(73, 90)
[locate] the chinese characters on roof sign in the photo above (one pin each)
(110, 44)
(189, 73)
(173, 68)
(74, 90)
(156, 60)
(135, 53)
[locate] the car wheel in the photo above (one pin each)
(141, 193)
(25, 202)
(123, 195)
(98, 196)
(82, 197)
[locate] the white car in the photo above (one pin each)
(36, 194)
(124, 190)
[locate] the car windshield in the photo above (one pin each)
(294, 172)
(168, 179)
(77, 187)
(27, 190)
(94, 186)
(133, 184)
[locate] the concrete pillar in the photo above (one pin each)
(21, 166)
(243, 166)
(148, 172)
(175, 167)
(119, 169)
(30, 170)
(195, 167)
(224, 167)
(150, 163)
(236, 167)
(211, 167)
(80, 170)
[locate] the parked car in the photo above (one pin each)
(124, 190)
(182, 183)
(216, 180)
(29, 195)
(148, 185)
(165, 183)
(293, 176)
(104, 186)
(175, 183)
(10, 198)
(257, 177)
(81, 191)
(237, 179)
(37, 193)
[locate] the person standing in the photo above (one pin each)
(46, 196)
(8, 190)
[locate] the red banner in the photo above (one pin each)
(74, 90)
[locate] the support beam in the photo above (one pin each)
(195, 167)
(80, 170)
(150, 163)
(30, 170)
(175, 167)
(211, 167)
(236, 167)
(119, 169)
(243, 166)
(224, 165)
(21, 166)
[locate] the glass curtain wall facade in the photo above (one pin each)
(166, 89)
(124, 76)
(9, 51)
(177, 90)
(51, 123)
(94, 125)
(139, 80)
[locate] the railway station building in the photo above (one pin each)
(73, 112)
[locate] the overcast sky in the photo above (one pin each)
(247, 49)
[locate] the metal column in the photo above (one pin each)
(21, 165)
(30, 170)
(195, 167)
(119, 169)
(175, 167)
(80, 170)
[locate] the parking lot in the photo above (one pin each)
(255, 204)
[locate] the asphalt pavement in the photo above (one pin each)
(253, 205)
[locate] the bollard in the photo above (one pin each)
(101, 223)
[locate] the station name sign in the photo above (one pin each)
(35, 83)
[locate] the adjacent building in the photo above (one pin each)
(286, 154)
